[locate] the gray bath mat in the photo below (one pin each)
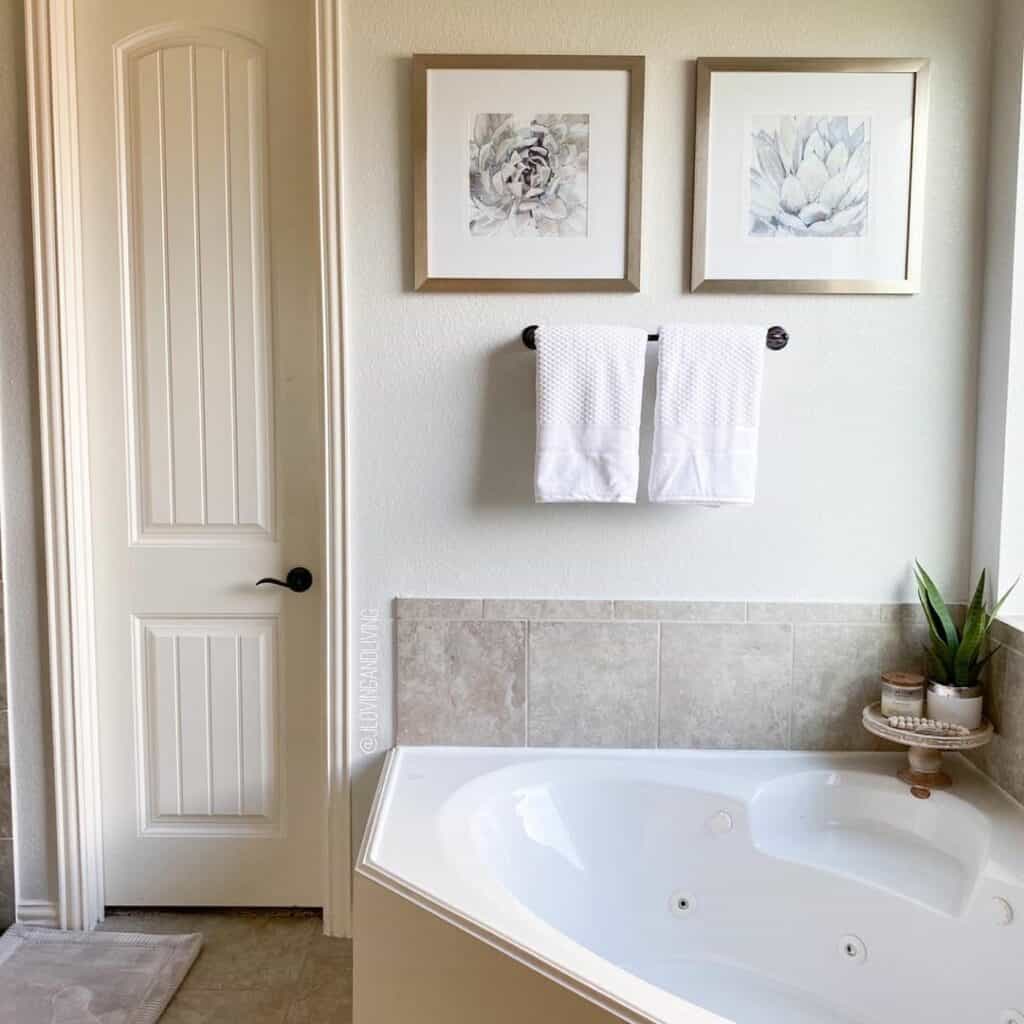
(52, 977)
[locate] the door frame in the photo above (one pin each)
(56, 226)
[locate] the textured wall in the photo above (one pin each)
(867, 449)
(20, 486)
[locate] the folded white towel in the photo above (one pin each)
(707, 414)
(589, 392)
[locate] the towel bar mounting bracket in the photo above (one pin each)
(777, 337)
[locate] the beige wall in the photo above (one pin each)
(867, 456)
(20, 517)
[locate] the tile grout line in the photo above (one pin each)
(657, 691)
(792, 683)
(526, 682)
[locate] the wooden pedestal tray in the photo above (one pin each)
(925, 754)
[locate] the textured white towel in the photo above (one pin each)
(707, 414)
(589, 391)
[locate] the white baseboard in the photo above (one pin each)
(38, 914)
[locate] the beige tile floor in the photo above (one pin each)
(256, 967)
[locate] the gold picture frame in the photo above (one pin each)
(422, 64)
(910, 282)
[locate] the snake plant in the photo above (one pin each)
(957, 657)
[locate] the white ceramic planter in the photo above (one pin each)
(961, 705)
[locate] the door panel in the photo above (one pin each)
(207, 734)
(192, 153)
(197, 138)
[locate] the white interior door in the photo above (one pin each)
(197, 161)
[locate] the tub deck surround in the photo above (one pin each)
(685, 887)
(631, 673)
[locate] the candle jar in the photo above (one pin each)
(902, 694)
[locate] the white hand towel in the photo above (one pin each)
(589, 391)
(707, 414)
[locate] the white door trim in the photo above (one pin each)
(338, 893)
(53, 143)
(56, 208)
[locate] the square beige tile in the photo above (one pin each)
(902, 647)
(461, 683)
(835, 673)
(726, 686)
(1003, 758)
(593, 684)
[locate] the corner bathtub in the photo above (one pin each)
(536, 886)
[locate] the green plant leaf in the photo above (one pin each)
(929, 612)
(937, 605)
(934, 621)
(936, 669)
(939, 650)
(979, 666)
(975, 630)
(999, 604)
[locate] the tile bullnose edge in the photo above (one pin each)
(455, 608)
(628, 610)
(542, 609)
(1009, 631)
(838, 613)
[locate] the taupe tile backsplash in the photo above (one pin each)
(1003, 758)
(509, 672)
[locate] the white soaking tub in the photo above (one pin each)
(530, 886)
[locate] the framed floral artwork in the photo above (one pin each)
(528, 172)
(809, 175)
